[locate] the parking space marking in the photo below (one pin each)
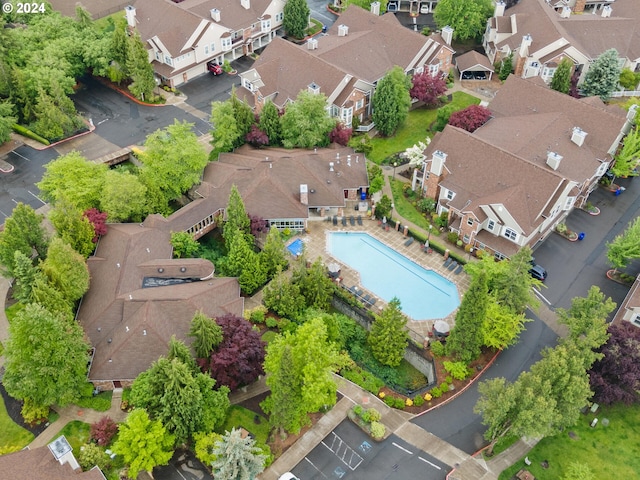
(43, 202)
(401, 448)
(316, 468)
(344, 452)
(21, 156)
(427, 461)
(365, 446)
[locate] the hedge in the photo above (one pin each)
(29, 134)
(422, 238)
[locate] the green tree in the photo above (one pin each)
(225, 133)
(501, 326)
(23, 231)
(237, 218)
(206, 334)
(602, 77)
(173, 161)
(7, 120)
(76, 179)
(178, 350)
(184, 245)
(391, 101)
(383, 208)
(204, 444)
(73, 227)
(67, 270)
(468, 18)
(243, 115)
(139, 69)
(624, 248)
(506, 67)
(237, 458)
(561, 81)
(285, 414)
(628, 79)
(628, 158)
(283, 297)
(43, 292)
(388, 337)
(465, 339)
(296, 18)
(143, 443)
(306, 122)
(273, 255)
(45, 358)
(244, 263)
(270, 123)
(376, 178)
(123, 196)
(24, 273)
(183, 400)
(315, 286)
(314, 359)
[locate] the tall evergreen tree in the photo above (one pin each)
(506, 67)
(206, 334)
(315, 286)
(24, 273)
(388, 337)
(391, 101)
(561, 80)
(296, 18)
(237, 218)
(23, 231)
(237, 458)
(603, 75)
(628, 157)
(270, 123)
(285, 414)
(243, 115)
(7, 119)
(139, 68)
(625, 247)
(273, 255)
(67, 270)
(73, 227)
(465, 339)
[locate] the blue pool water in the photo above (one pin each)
(296, 247)
(424, 294)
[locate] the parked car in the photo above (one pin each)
(424, 9)
(480, 75)
(288, 476)
(467, 75)
(214, 67)
(538, 272)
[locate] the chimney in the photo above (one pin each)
(524, 46)
(215, 14)
(437, 162)
(314, 88)
(578, 136)
(499, 10)
(606, 11)
(246, 4)
(130, 14)
(553, 160)
(565, 12)
(343, 30)
(312, 44)
(375, 8)
(579, 6)
(447, 34)
(304, 194)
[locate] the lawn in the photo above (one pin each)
(415, 129)
(610, 452)
(77, 434)
(12, 436)
(255, 424)
(404, 207)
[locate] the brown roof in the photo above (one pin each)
(40, 464)
(630, 302)
(120, 316)
(269, 180)
(520, 97)
(232, 13)
(483, 174)
(473, 59)
(96, 9)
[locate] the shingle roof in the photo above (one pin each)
(40, 464)
(472, 59)
(232, 13)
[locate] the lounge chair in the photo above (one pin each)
(359, 219)
(344, 221)
(458, 270)
(447, 262)
(328, 219)
(372, 302)
(335, 220)
(352, 220)
(366, 298)
(408, 242)
(352, 289)
(452, 266)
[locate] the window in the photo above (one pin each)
(491, 225)
(470, 222)
(465, 239)
(569, 203)
(206, 49)
(434, 69)
(247, 84)
(636, 319)
(226, 42)
(419, 69)
(213, 47)
(168, 60)
(449, 195)
(548, 72)
(602, 169)
(294, 225)
(359, 104)
(510, 234)
(266, 25)
(279, 16)
(499, 256)
(158, 56)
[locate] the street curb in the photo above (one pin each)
(38, 146)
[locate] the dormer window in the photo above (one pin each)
(450, 195)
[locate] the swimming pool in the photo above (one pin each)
(424, 294)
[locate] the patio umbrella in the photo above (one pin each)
(333, 268)
(441, 326)
(384, 219)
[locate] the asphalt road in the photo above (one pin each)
(319, 12)
(347, 453)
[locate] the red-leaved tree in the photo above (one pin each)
(258, 225)
(103, 430)
(99, 221)
(616, 377)
(237, 361)
(256, 137)
(470, 118)
(427, 89)
(340, 134)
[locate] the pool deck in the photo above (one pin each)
(315, 246)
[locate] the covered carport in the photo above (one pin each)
(474, 66)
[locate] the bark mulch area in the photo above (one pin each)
(14, 407)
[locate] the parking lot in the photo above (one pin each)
(347, 453)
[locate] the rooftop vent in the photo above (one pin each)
(578, 136)
(606, 11)
(312, 44)
(314, 88)
(215, 14)
(375, 8)
(553, 160)
(246, 4)
(343, 30)
(331, 166)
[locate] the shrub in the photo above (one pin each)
(426, 205)
(437, 348)
(408, 402)
(458, 370)
(32, 413)
(418, 400)
(377, 429)
(448, 379)
(374, 415)
(271, 322)
(452, 237)
(91, 455)
(361, 143)
(444, 387)
(103, 431)
(29, 134)
(363, 379)
(436, 392)
(358, 410)
(389, 400)
(257, 315)
(399, 403)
